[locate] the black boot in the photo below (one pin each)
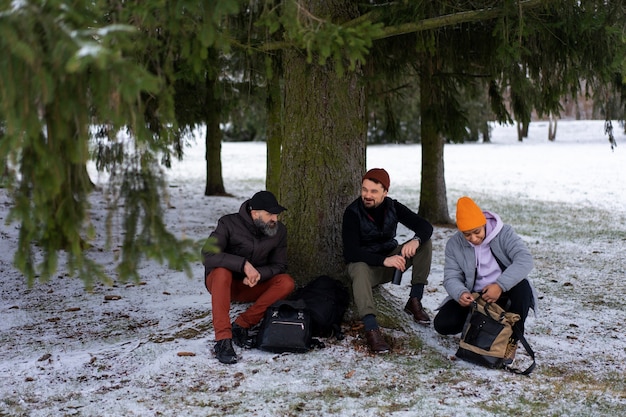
(224, 351)
(241, 337)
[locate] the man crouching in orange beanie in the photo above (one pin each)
(485, 256)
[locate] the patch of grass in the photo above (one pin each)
(610, 381)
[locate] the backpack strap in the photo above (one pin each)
(530, 352)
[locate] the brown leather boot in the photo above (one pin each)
(414, 307)
(376, 341)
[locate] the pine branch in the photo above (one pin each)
(419, 26)
(452, 19)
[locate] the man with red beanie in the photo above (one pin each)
(249, 266)
(485, 256)
(373, 254)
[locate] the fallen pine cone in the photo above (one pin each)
(186, 354)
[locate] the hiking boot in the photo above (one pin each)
(376, 341)
(414, 307)
(509, 353)
(241, 337)
(224, 351)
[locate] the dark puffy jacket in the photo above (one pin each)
(374, 238)
(369, 241)
(239, 240)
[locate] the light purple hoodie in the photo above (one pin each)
(487, 269)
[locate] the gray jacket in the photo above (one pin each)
(459, 270)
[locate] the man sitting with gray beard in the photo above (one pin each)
(249, 265)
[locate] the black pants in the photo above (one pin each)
(451, 316)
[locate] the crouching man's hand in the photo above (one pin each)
(466, 299)
(491, 293)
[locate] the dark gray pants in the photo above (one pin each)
(365, 277)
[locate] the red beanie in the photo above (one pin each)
(378, 175)
(468, 215)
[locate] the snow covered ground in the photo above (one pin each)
(145, 349)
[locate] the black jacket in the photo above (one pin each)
(369, 234)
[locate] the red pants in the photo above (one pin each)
(224, 289)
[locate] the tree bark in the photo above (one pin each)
(486, 133)
(274, 128)
(323, 154)
(433, 197)
(552, 122)
(213, 141)
(522, 131)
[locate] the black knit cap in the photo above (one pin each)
(264, 200)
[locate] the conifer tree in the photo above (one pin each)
(530, 52)
(116, 64)
(67, 68)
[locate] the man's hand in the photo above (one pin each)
(410, 248)
(395, 261)
(491, 293)
(252, 275)
(466, 299)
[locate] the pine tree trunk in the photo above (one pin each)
(433, 198)
(486, 133)
(5, 176)
(552, 122)
(522, 131)
(213, 141)
(274, 128)
(323, 154)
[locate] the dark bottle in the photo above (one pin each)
(397, 277)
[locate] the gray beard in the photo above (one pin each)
(267, 229)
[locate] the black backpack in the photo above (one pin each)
(327, 300)
(286, 328)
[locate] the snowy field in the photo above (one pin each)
(145, 349)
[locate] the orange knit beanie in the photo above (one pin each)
(468, 215)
